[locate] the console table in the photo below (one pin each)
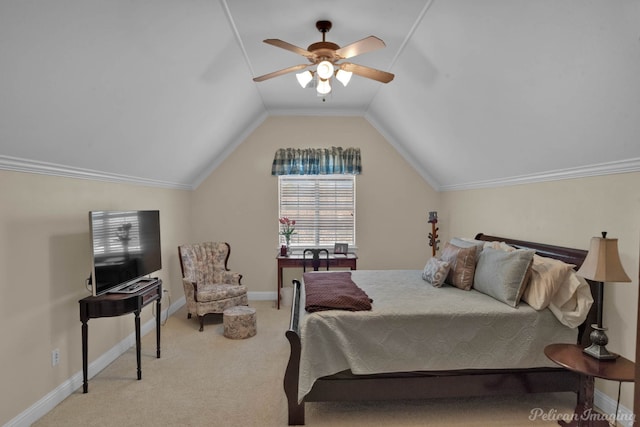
(296, 260)
(114, 304)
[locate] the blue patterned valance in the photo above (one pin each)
(316, 161)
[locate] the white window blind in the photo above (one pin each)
(115, 232)
(323, 207)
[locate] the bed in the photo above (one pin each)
(310, 377)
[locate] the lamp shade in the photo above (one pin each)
(602, 263)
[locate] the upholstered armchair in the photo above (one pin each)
(209, 286)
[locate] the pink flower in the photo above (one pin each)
(288, 228)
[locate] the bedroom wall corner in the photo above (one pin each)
(566, 213)
(44, 262)
(238, 202)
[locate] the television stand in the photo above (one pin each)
(118, 304)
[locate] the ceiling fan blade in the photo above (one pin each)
(280, 72)
(370, 73)
(288, 46)
(365, 45)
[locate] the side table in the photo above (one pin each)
(571, 356)
(112, 305)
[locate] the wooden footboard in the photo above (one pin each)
(291, 375)
(426, 385)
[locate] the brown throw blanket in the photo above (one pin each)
(334, 291)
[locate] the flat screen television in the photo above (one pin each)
(125, 247)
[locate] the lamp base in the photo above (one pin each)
(598, 347)
(600, 352)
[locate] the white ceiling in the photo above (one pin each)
(486, 92)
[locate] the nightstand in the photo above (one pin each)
(571, 356)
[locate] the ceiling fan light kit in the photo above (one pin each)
(326, 56)
(304, 78)
(325, 70)
(323, 87)
(344, 77)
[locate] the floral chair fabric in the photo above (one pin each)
(209, 286)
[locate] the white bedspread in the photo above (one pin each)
(414, 326)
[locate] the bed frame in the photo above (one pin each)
(346, 386)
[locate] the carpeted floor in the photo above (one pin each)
(205, 379)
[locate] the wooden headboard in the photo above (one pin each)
(567, 255)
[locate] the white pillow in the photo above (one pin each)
(572, 301)
(547, 275)
(436, 271)
(499, 245)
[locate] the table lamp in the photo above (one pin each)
(602, 264)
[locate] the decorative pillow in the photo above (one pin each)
(547, 275)
(463, 242)
(435, 272)
(463, 265)
(501, 274)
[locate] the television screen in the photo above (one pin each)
(125, 247)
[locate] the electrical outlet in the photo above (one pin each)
(55, 357)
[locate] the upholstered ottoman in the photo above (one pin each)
(239, 322)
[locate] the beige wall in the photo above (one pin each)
(44, 261)
(44, 238)
(566, 213)
(238, 202)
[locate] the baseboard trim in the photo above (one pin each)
(64, 390)
(604, 403)
(262, 296)
(607, 405)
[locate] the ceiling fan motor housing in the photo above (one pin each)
(324, 51)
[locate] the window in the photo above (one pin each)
(115, 232)
(323, 207)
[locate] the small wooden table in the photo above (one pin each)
(111, 305)
(296, 260)
(571, 356)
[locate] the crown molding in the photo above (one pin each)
(607, 168)
(44, 168)
(17, 164)
(399, 148)
(312, 111)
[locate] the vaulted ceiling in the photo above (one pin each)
(486, 92)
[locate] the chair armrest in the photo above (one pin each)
(190, 289)
(231, 277)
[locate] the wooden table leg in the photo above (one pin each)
(158, 316)
(138, 358)
(85, 357)
(584, 414)
(279, 285)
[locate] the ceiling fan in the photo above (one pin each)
(326, 56)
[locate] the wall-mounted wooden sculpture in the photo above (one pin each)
(433, 236)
